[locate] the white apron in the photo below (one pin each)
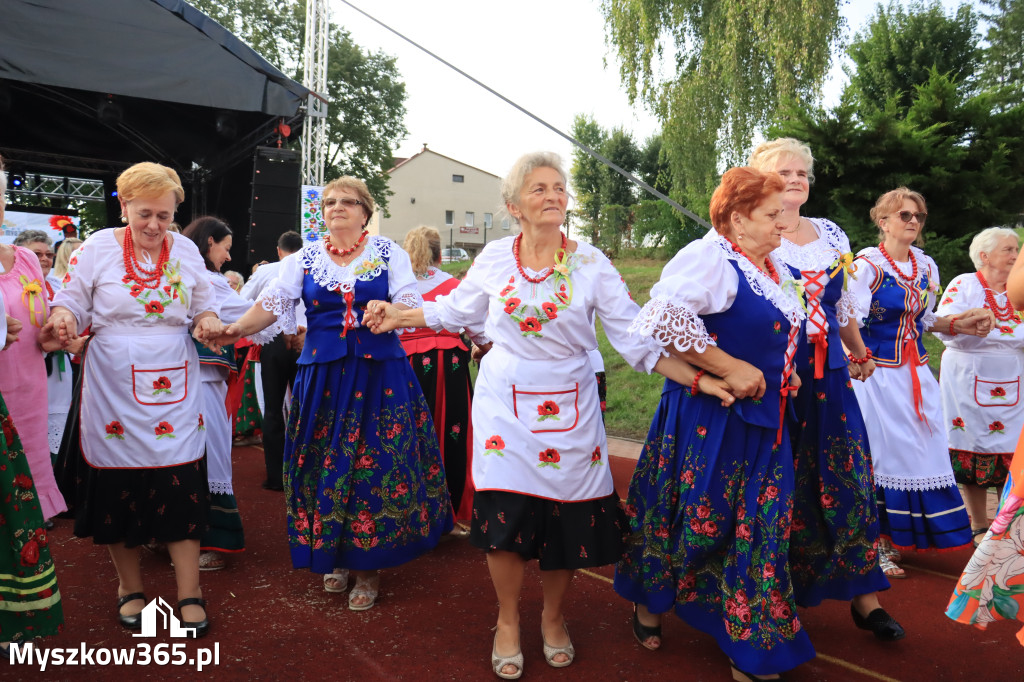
(141, 399)
(981, 400)
(537, 428)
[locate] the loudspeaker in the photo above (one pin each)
(276, 195)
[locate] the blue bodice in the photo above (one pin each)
(896, 314)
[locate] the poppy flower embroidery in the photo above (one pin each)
(530, 326)
(1005, 330)
(996, 427)
(550, 458)
(998, 392)
(550, 309)
(548, 410)
(511, 305)
(202, 424)
(494, 446)
(115, 430)
(595, 457)
(154, 308)
(161, 385)
(958, 424)
(136, 290)
(164, 430)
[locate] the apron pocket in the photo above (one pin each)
(545, 409)
(989, 393)
(159, 385)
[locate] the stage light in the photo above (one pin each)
(17, 179)
(114, 194)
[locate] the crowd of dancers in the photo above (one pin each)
(799, 446)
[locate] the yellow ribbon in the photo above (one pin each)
(561, 273)
(31, 295)
(845, 263)
(173, 273)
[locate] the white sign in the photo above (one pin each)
(58, 226)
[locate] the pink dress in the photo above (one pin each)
(23, 376)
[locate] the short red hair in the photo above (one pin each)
(741, 191)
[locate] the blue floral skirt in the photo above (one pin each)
(709, 509)
(833, 549)
(363, 474)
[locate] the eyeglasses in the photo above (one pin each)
(45, 254)
(346, 202)
(907, 216)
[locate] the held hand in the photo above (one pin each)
(208, 331)
(855, 372)
(296, 341)
(229, 334)
(381, 317)
(866, 370)
(479, 352)
(60, 330)
(976, 321)
(712, 385)
(13, 329)
(745, 380)
(76, 346)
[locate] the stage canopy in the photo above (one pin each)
(88, 87)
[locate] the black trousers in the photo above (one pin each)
(277, 370)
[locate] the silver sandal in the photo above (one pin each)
(340, 577)
(499, 662)
(551, 651)
(364, 587)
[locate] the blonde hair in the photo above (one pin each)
(64, 251)
(356, 185)
(423, 244)
(766, 155)
(149, 180)
(890, 202)
(512, 185)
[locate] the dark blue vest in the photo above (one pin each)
(889, 321)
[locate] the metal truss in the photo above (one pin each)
(314, 131)
(57, 186)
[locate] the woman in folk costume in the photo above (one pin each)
(981, 376)
(225, 534)
(441, 363)
(363, 476)
(833, 550)
(711, 498)
(28, 580)
(991, 587)
(140, 475)
(543, 486)
(896, 288)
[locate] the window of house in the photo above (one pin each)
(488, 220)
(458, 178)
(506, 223)
(470, 218)
(449, 217)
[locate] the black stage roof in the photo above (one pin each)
(88, 87)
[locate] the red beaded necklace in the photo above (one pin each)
(134, 270)
(344, 252)
(768, 268)
(1002, 313)
(899, 273)
(519, 265)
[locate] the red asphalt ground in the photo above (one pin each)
(433, 619)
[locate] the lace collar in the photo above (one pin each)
(786, 295)
(819, 254)
(328, 274)
(873, 255)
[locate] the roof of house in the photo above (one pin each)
(402, 162)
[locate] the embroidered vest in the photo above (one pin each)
(897, 309)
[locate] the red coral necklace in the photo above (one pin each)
(519, 265)
(344, 252)
(768, 268)
(134, 270)
(1002, 313)
(899, 273)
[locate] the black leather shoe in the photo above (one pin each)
(133, 622)
(276, 487)
(880, 623)
(645, 632)
(201, 626)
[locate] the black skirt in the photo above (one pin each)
(133, 506)
(560, 535)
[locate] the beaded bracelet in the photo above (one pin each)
(695, 389)
(952, 321)
(860, 361)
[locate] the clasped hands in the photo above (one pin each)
(975, 321)
(381, 316)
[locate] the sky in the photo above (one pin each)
(548, 56)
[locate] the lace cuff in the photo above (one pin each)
(928, 319)
(672, 325)
(412, 300)
(274, 300)
(846, 308)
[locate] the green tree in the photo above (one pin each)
(1003, 65)
(901, 46)
(367, 97)
(730, 63)
(586, 175)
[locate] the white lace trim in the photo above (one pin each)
(819, 254)
(667, 323)
(274, 300)
(916, 483)
(221, 488)
(784, 296)
(409, 299)
(846, 308)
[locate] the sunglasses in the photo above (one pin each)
(907, 216)
(346, 202)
